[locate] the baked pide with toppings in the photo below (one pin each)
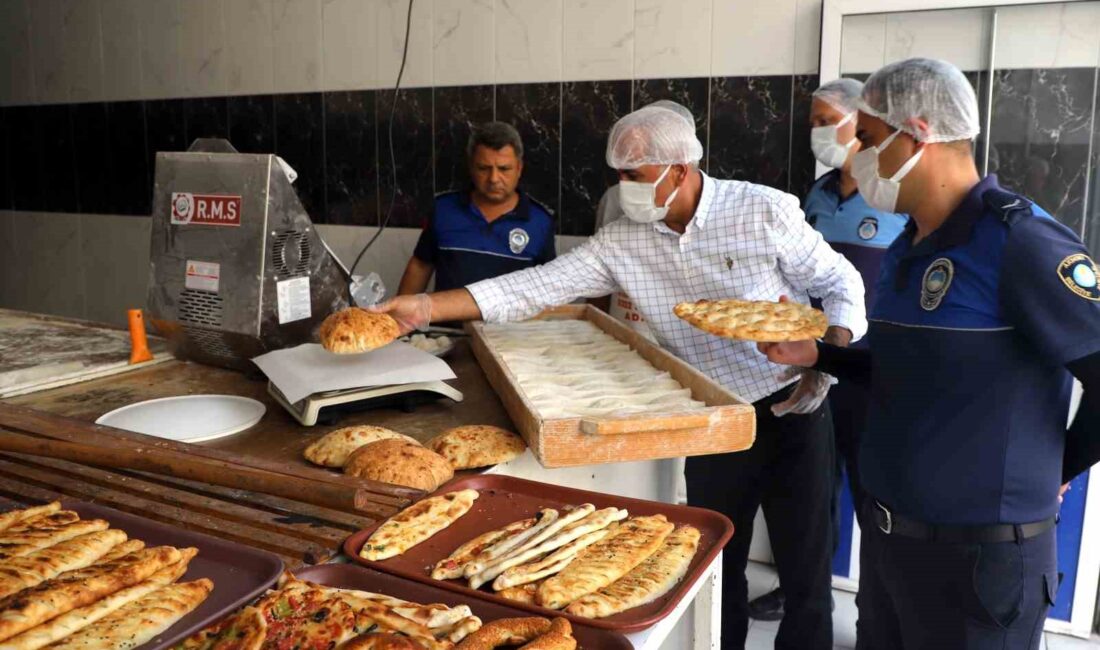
(71, 583)
(355, 330)
(477, 445)
(334, 448)
(755, 320)
(417, 523)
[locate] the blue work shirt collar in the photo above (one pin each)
(956, 230)
(522, 211)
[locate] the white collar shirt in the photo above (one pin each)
(745, 241)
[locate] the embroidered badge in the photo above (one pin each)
(937, 279)
(1079, 274)
(729, 263)
(868, 228)
(517, 240)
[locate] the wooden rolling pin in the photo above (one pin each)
(195, 468)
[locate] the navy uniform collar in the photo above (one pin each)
(956, 230)
(522, 211)
(830, 182)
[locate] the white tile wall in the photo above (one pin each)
(807, 36)
(250, 56)
(297, 37)
(753, 38)
(528, 40)
(1074, 28)
(350, 42)
(862, 44)
(82, 50)
(203, 69)
(956, 35)
(16, 67)
(462, 42)
(598, 41)
(48, 50)
(672, 38)
(161, 35)
(391, 39)
(120, 26)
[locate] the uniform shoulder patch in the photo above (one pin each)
(1009, 205)
(1079, 273)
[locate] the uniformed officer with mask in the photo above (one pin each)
(986, 308)
(861, 233)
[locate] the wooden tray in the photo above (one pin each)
(240, 573)
(728, 423)
(504, 499)
(349, 576)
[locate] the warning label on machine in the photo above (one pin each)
(203, 276)
(205, 209)
(293, 299)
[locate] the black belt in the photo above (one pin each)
(891, 523)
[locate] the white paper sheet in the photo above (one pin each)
(309, 368)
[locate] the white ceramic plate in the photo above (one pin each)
(188, 418)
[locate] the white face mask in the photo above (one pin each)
(639, 200)
(880, 193)
(823, 142)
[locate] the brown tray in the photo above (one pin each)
(349, 576)
(239, 572)
(505, 499)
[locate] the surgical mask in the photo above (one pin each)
(878, 192)
(824, 144)
(639, 200)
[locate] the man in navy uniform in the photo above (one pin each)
(986, 309)
(489, 230)
(836, 209)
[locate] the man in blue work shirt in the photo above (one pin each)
(986, 309)
(835, 208)
(489, 230)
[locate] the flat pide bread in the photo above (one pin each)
(752, 320)
(647, 582)
(453, 565)
(417, 523)
(334, 448)
(401, 463)
(355, 330)
(477, 445)
(13, 517)
(17, 574)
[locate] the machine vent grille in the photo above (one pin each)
(210, 342)
(290, 252)
(200, 308)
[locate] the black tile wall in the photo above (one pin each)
(411, 202)
(100, 158)
(94, 168)
(1041, 128)
(252, 123)
(455, 110)
(589, 109)
(300, 141)
(693, 94)
(535, 111)
(126, 139)
(351, 155)
(750, 129)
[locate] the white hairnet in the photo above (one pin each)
(652, 136)
(926, 89)
(841, 94)
(676, 107)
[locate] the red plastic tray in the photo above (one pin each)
(349, 576)
(506, 499)
(240, 573)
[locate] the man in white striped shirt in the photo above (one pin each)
(687, 237)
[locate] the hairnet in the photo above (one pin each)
(652, 136)
(841, 94)
(926, 89)
(678, 108)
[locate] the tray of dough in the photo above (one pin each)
(584, 389)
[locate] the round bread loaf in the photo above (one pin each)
(381, 641)
(477, 445)
(355, 330)
(333, 449)
(401, 463)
